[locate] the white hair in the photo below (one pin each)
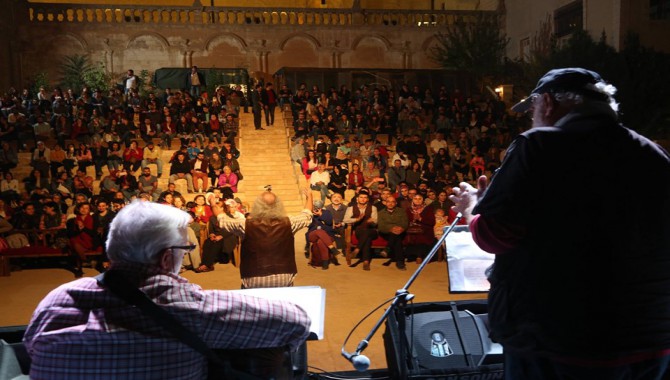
(268, 206)
(142, 230)
(574, 98)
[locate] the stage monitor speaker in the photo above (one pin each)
(441, 340)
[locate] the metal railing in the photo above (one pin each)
(131, 14)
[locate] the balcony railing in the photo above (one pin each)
(128, 14)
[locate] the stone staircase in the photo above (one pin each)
(265, 160)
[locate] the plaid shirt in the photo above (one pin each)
(82, 331)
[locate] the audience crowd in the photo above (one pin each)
(66, 201)
(406, 145)
(400, 152)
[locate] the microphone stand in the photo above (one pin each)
(402, 296)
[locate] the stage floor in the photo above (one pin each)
(351, 293)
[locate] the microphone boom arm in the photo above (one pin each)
(402, 296)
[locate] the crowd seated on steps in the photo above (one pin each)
(90, 153)
(404, 144)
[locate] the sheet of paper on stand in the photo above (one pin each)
(311, 298)
(467, 264)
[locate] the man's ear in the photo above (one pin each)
(549, 106)
(166, 260)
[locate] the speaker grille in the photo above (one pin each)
(436, 343)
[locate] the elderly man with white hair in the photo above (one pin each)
(268, 252)
(578, 216)
(83, 330)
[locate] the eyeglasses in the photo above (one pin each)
(187, 248)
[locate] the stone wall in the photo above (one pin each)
(260, 40)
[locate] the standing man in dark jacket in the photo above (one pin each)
(269, 97)
(586, 301)
(257, 105)
(268, 253)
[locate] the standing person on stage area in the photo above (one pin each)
(269, 98)
(146, 245)
(195, 81)
(577, 301)
(268, 253)
(257, 106)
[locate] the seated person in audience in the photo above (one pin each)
(35, 181)
(53, 227)
(220, 244)
(309, 164)
(132, 157)
(148, 183)
(152, 155)
(210, 149)
(228, 180)
(363, 217)
(229, 147)
(392, 225)
(109, 185)
(319, 181)
(9, 187)
(40, 159)
(83, 232)
(199, 166)
(321, 235)
(26, 220)
(83, 183)
(371, 176)
(201, 209)
(338, 180)
(181, 169)
(65, 327)
(420, 234)
(230, 161)
(127, 185)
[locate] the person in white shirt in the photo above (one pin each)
(320, 180)
(438, 143)
(131, 81)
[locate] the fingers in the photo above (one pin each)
(482, 183)
(462, 188)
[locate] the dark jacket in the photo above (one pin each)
(267, 248)
(589, 277)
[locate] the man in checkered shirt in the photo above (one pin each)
(82, 331)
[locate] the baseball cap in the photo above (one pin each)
(574, 79)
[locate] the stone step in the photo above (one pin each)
(260, 165)
(285, 185)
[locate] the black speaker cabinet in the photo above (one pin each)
(442, 341)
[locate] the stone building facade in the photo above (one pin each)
(261, 40)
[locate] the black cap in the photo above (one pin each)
(562, 80)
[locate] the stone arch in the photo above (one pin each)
(298, 50)
(78, 40)
(316, 44)
(425, 45)
(423, 58)
(144, 50)
(223, 50)
(214, 41)
(372, 52)
(377, 37)
(162, 40)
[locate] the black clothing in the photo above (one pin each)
(591, 275)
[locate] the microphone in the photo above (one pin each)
(360, 362)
